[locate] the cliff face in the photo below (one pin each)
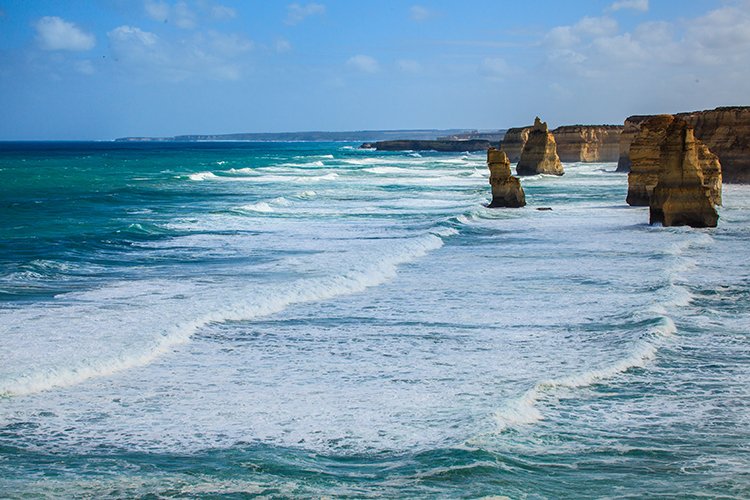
(726, 132)
(629, 132)
(588, 143)
(514, 141)
(506, 189)
(539, 155)
(645, 158)
(680, 197)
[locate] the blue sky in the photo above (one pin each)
(110, 68)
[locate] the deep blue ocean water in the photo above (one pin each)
(309, 320)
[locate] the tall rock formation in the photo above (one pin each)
(539, 155)
(647, 161)
(588, 143)
(645, 158)
(506, 189)
(726, 132)
(680, 197)
(629, 132)
(514, 141)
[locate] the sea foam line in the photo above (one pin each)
(524, 410)
(305, 290)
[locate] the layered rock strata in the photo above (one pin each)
(588, 143)
(680, 197)
(647, 160)
(726, 132)
(514, 141)
(506, 189)
(539, 155)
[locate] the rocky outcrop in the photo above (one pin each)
(647, 161)
(442, 146)
(588, 143)
(539, 155)
(506, 189)
(680, 197)
(726, 132)
(645, 158)
(629, 131)
(514, 141)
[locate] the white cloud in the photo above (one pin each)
(283, 45)
(494, 67)
(84, 67)
(409, 66)
(364, 63)
(419, 13)
(641, 5)
(222, 12)
(179, 14)
(568, 36)
(296, 13)
(212, 55)
(54, 33)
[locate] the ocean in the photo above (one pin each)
(202, 320)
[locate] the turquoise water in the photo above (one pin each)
(297, 320)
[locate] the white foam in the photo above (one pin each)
(306, 290)
(202, 176)
(524, 410)
(261, 206)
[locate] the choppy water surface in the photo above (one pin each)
(190, 320)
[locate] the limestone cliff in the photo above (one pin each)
(645, 154)
(726, 132)
(645, 157)
(629, 132)
(514, 141)
(506, 189)
(539, 155)
(680, 197)
(588, 143)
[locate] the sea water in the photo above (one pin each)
(297, 320)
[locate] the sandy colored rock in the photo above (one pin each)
(680, 197)
(539, 155)
(646, 162)
(588, 143)
(514, 141)
(506, 189)
(645, 157)
(726, 132)
(629, 132)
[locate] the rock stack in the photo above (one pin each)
(539, 155)
(647, 158)
(506, 189)
(681, 197)
(514, 141)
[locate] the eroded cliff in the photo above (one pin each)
(588, 143)
(539, 155)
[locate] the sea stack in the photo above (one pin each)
(647, 161)
(681, 197)
(514, 141)
(539, 155)
(506, 189)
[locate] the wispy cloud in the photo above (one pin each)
(419, 13)
(222, 12)
(282, 45)
(202, 56)
(363, 63)
(179, 14)
(409, 66)
(495, 68)
(641, 5)
(296, 13)
(54, 33)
